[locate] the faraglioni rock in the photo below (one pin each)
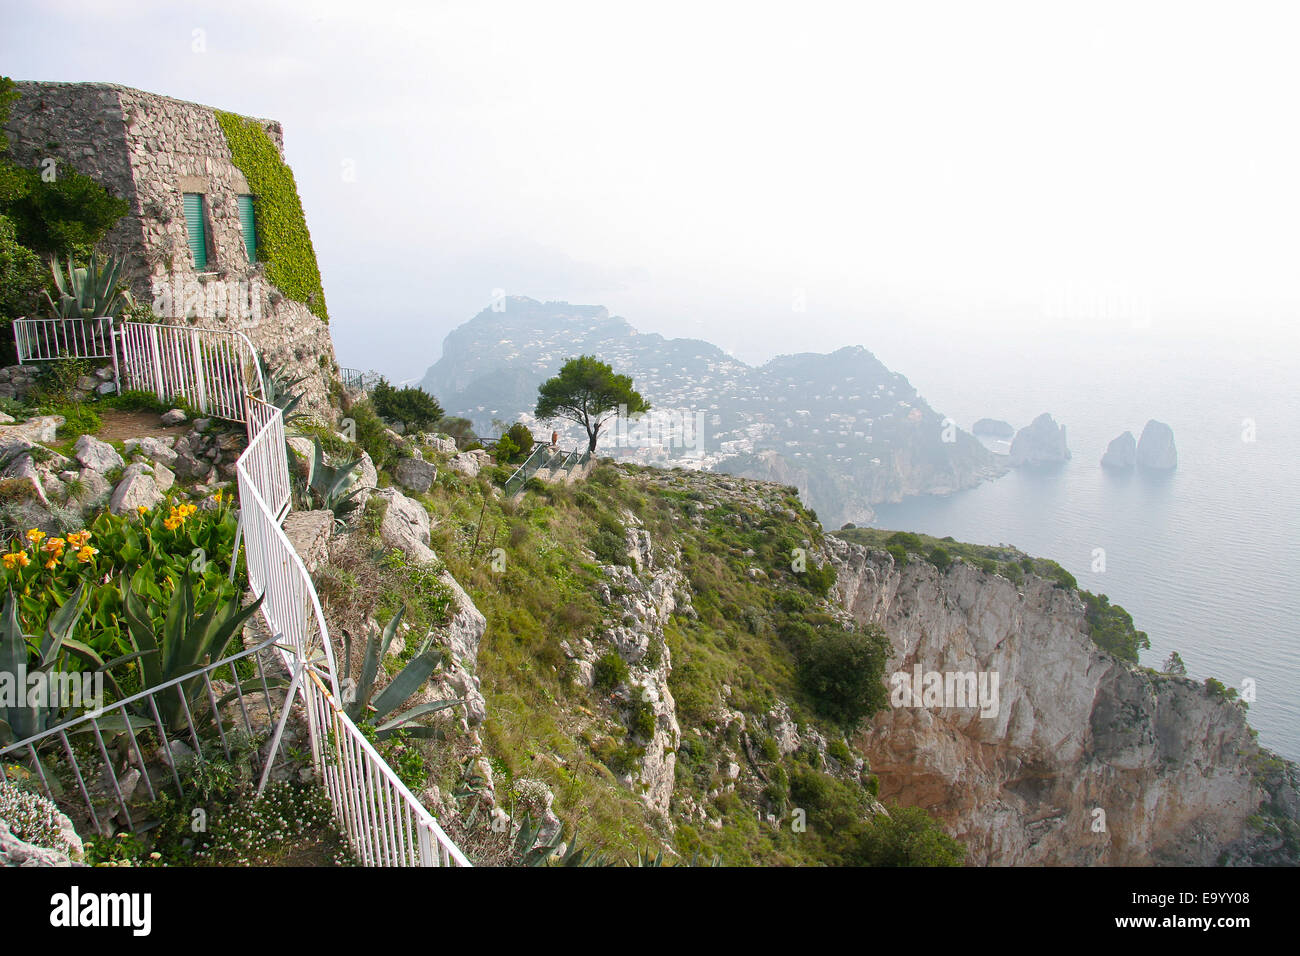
(1155, 449)
(1040, 443)
(1121, 453)
(993, 427)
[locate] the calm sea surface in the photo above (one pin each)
(1206, 559)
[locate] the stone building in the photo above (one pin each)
(192, 238)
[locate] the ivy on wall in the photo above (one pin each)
(282, 238)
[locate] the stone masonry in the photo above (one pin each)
(150, 150)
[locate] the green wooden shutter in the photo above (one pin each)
(194, 227)
(248, 223)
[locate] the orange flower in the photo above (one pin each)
(54, 546)
(85, 553)
(16, 559)
(78, 539)
(51, 564)
(171, 524)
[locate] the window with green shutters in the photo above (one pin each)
(248, 223)
(194, 228)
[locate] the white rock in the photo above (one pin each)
(137, 488)
(96, 455)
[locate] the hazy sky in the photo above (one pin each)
(904, 171)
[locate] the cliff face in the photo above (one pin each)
(1087, 760)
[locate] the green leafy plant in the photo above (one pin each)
(188, 639)
(358, 703)
(89, 291)
(26, 718)
(332, 487)
(280, 392)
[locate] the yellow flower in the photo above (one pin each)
(35, 535)
(11, 560)
(216, 496)
(85, 553)
(142, 510)
(54, 546)
(51, 564)
(171, 524)
(78, 539)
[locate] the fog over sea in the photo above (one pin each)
(1206, 559)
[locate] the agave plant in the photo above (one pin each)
(333, 487)
(279, 392)
(357, 693)
(87, 292)
(23, 718)
(185, 642)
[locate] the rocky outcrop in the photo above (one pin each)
(405, 526)
(34, 431)
(1040, 443)
(470, 463)
(309, 532)
(1155, 449)
(415, 474)
(1084, 760)
(96, 455)
(138, 488)
(993, 428)
(1121, 452)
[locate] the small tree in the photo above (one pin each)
(589, 393)
(413, 407)
(1174, 665)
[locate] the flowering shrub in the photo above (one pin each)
(33, 819)
(152, 548)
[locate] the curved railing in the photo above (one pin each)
(385, 823)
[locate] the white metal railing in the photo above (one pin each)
(275, 571)
(265, 459)
(222, 699)
(213, 369)
(39, 340)
(386, 824)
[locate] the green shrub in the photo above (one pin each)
(372, 434)
(78, 420)
(907, 837)
(905, 540)
(135, 400)
(843, 673)
(415, 408)
(641, 718)
(1111, 628)
(940, 558)
(609, 671)
(899, 554)
(69, 214)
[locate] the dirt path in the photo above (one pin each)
(120, 425)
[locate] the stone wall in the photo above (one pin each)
(150, 150)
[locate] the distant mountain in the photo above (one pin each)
(841, 427)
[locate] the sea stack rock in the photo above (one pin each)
(1155, 449)
(1121, 453)
(993, 428)
(1040, 443)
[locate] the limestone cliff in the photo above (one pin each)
(1088, 760)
